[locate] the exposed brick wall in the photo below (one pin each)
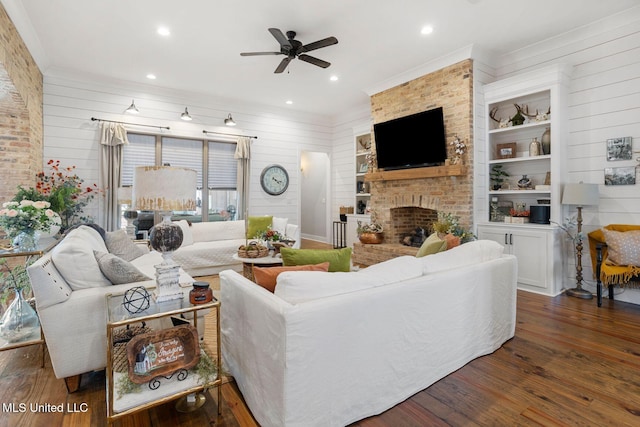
(452, 89)
(21, 124)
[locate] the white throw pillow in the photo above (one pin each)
(299, 286)
(462, 256)
(279, 225)
(187, 235)
(74, 259)
(395, 270)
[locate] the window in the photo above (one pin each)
(216, 197)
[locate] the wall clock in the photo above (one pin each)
(274, 180)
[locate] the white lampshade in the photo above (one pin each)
(124, 195)
(580, 194)
(164, 188)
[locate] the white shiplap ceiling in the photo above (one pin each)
(378, 39)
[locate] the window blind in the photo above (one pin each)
(186, 153)
(222, 166)
(139, 152)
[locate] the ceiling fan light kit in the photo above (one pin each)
(292, 48)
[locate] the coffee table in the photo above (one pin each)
(249, 263)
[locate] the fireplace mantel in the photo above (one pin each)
(430, 172)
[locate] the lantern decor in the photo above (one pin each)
(165, 189)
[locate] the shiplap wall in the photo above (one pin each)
(70, 135)
(604, 103)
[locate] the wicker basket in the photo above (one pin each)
(121, 337)
(253, 250)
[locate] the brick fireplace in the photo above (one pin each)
(402, 204)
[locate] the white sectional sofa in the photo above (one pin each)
(208, 247)
(328, 349)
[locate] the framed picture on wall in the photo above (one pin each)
(620, 176)
(506, 151)
(619, 149)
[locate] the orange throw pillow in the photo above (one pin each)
(452, 241)
(267, 276)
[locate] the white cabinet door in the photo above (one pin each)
(529, 247)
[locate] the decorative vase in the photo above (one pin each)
(546, 141)
(27, 240)
(20, 321)
(371, 238)
(535, 148)
(524, 182)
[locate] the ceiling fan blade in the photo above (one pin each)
(284, 42)
(283, 64)
(320, 43)
(314, 61)
(259, 53)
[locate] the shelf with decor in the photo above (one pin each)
(362, 151)
(526, 134)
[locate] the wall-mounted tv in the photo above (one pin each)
(412, 141)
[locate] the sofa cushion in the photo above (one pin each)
(280, 225)
(217, 230)
(187, 236)
(623, 247)
(432, 245)
(297, 287)
(258, 224)
(461, 256)
(74, 259)
(120, 244)
(339, 259)
(395, 269)
(117, 270)
(267, 276)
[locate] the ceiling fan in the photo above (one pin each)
(294, 49)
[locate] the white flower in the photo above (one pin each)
(41, 204)
(50, 213)
(12, 213)
(26, 203)
(9, 204)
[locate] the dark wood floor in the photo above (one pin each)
(570, 364)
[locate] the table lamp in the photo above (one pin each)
(165, 189)
(580, 195)
(124, 198)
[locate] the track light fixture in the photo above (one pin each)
(132, 108)
(229, 121)
(185, 115)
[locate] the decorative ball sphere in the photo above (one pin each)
(136, 300)
(166, 237)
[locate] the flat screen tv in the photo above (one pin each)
(413, 141)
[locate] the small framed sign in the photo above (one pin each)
(162, 352)
(506, 151)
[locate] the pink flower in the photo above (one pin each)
(26, 203)
(49, 213)
(41, 204)
(12, 213)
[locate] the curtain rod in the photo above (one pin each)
(93, 119)
(229, 134)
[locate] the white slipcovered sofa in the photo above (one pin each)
(328, 349)
(208, 247)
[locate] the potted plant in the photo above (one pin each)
(497, 177)
(372, 232)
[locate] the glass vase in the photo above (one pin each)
(27, 240)
(20, 321)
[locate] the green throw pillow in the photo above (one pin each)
(339, 259)
(432, 245)
(257, 224)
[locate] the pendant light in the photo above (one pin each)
(185, 115)
(132, 108)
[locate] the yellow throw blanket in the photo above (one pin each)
(611, 274)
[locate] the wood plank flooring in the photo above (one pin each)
(570, 364)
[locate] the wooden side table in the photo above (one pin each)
(249, 263)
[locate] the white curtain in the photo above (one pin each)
(243, 155)
(112, 137)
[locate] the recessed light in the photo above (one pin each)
(164, 31)
(427, 29)
(333, 78)
(289, 102)
(151, 76)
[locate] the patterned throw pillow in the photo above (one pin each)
(117, 270)
(623, 247)
(121, 245)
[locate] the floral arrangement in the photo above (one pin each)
(448, 223)
(459, 148)
(372, 227)
(270, 235)
(517, 213)
(26, 215)
(64, 190)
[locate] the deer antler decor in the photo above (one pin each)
(502, 123)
